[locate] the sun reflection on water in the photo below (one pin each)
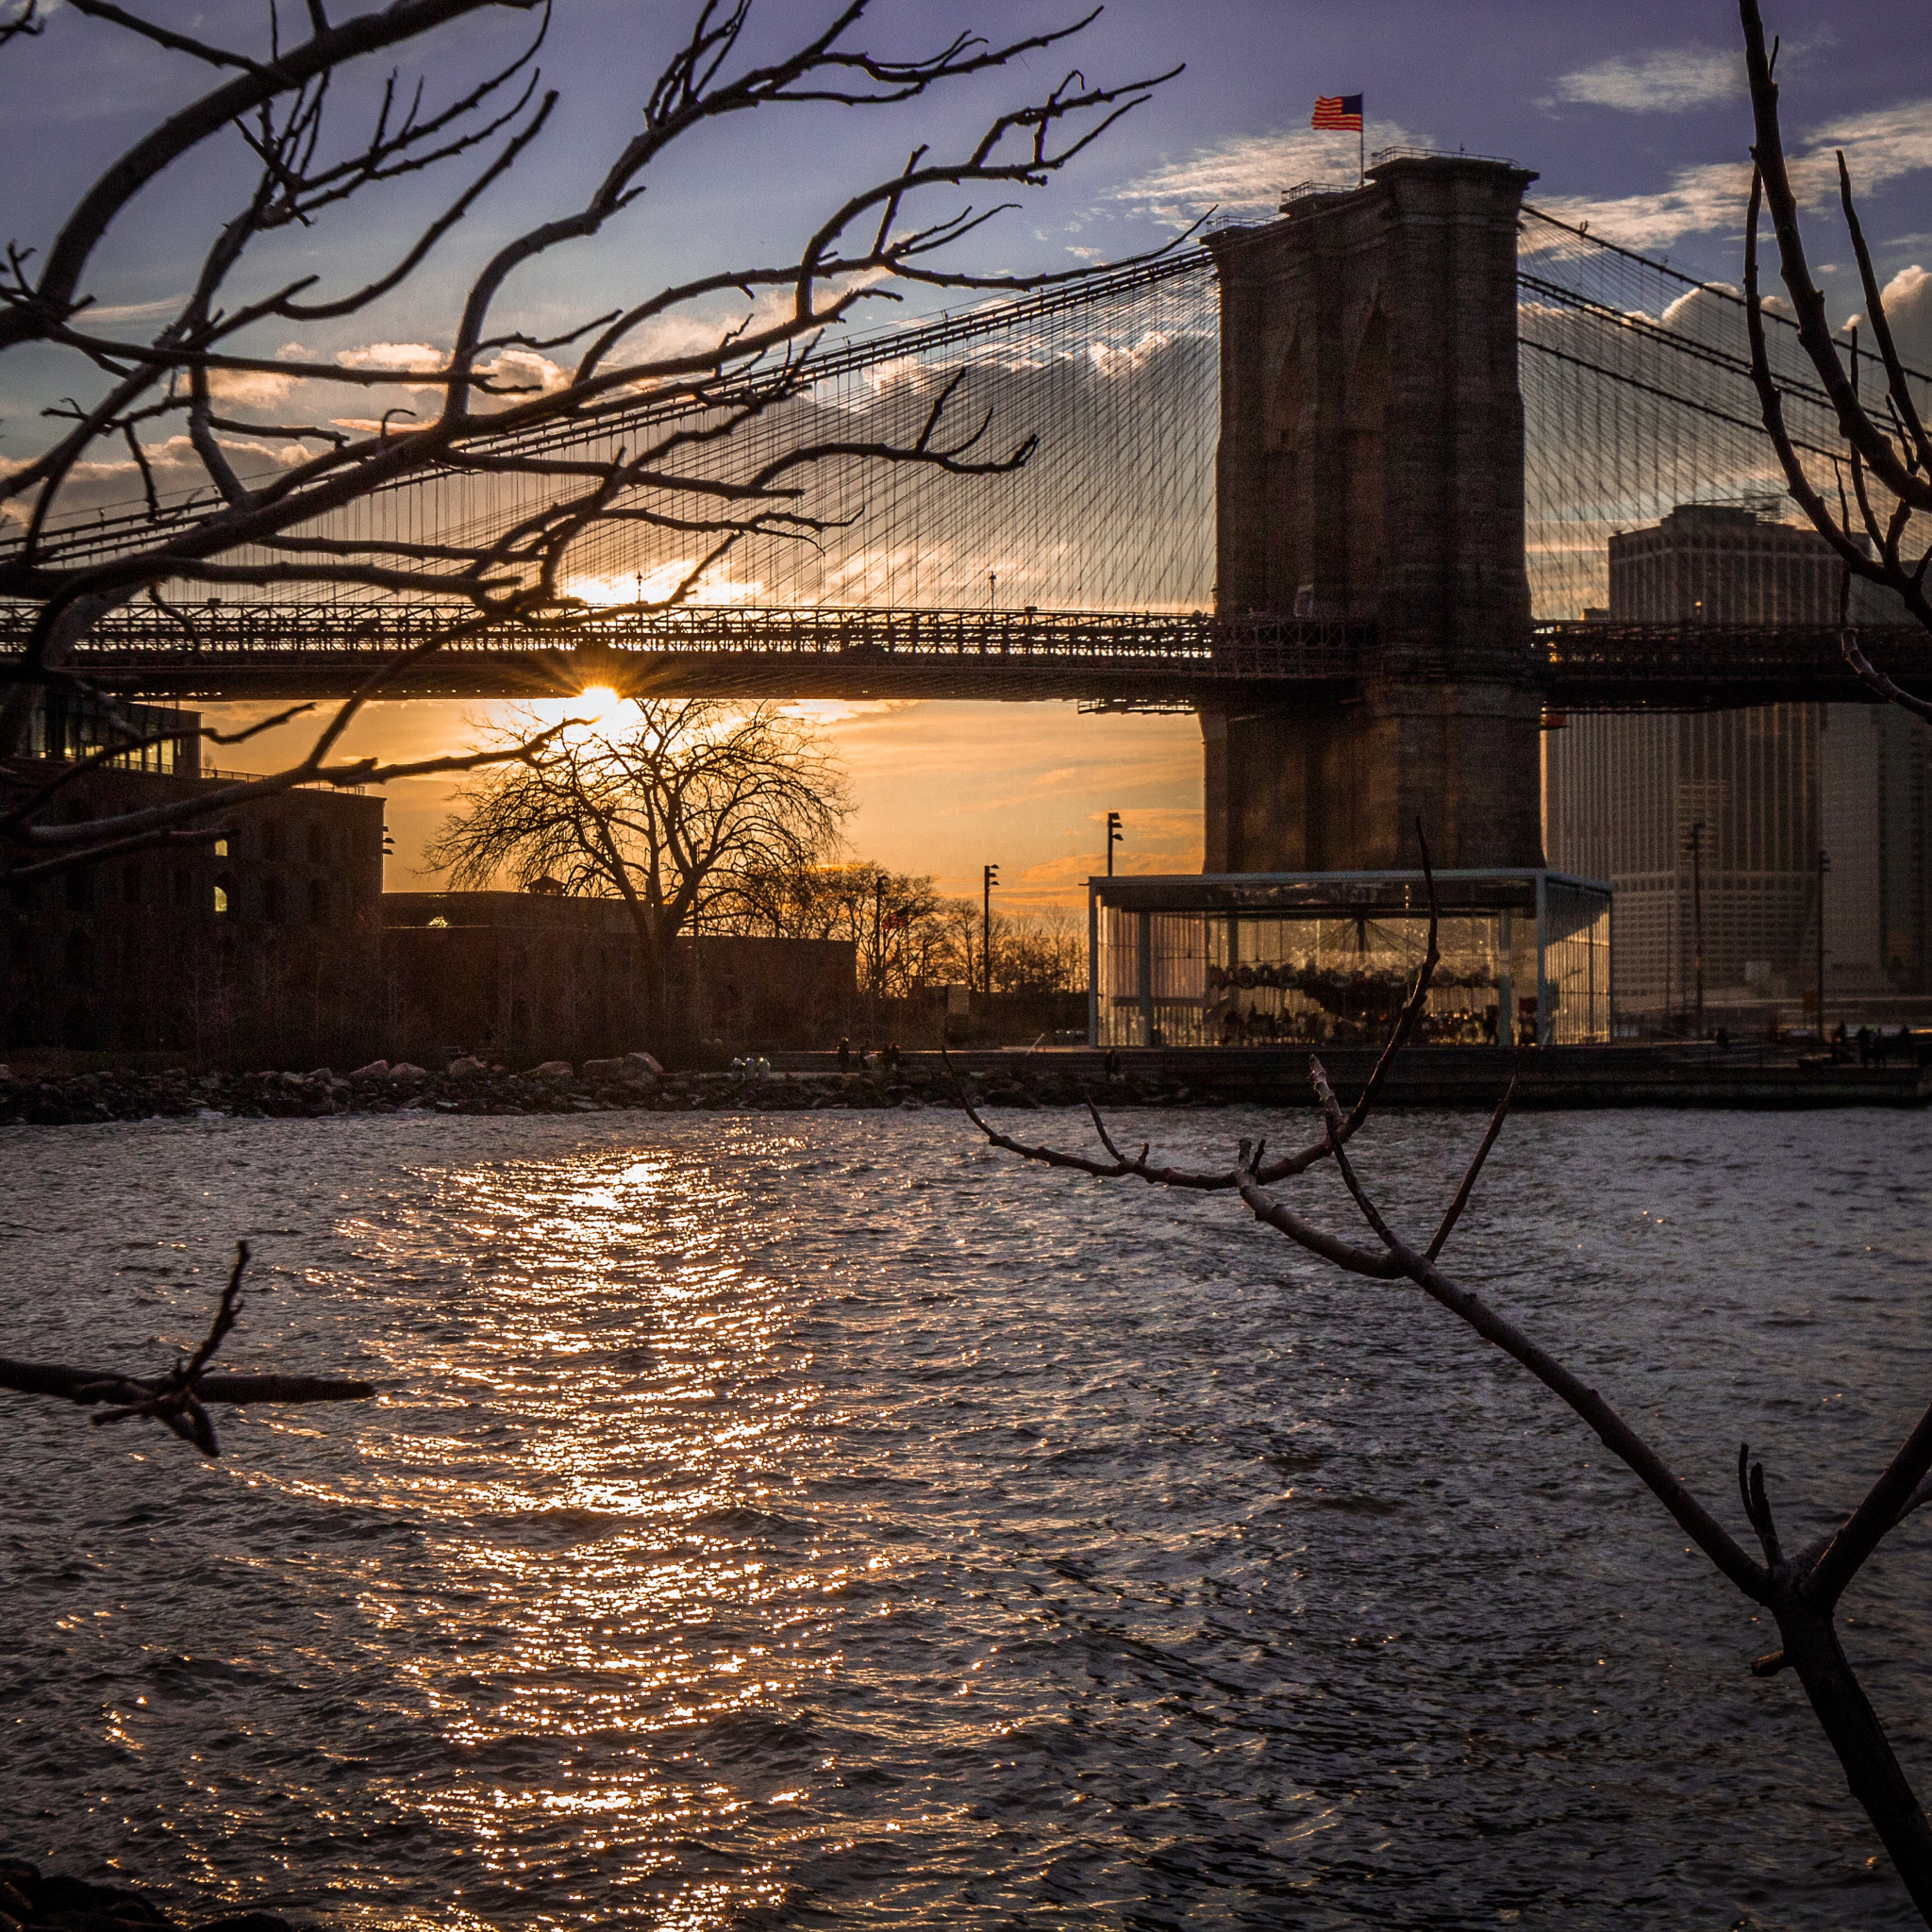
(608, 1539)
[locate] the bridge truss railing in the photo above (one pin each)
(1632, 667)
(1269, 648)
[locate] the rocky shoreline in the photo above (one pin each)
(633, 1083)
(31, 1901)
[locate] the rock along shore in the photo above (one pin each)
(31, 1901)
(1459, 1078)
(468, 1087)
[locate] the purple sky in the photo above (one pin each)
(1633, 116)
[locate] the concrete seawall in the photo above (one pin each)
(1464, 1077)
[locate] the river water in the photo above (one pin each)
(829, 1522)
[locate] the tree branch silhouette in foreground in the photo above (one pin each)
(1881, 479)
(179, 1399)
(1801, 1589)
(254, 464)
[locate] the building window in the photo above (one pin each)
(80, 889)
(275, 901)
(271, 839)
(318, 845)
(184, 886)
(318, 902)
(222, 903)
(130, 884)
(221, 846)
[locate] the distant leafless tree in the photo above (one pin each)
(892, 918)
(906, 934)
(267, 511)
(1038, 953)
(1882, 477)
(667, 809)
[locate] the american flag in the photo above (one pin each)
(1337, 113)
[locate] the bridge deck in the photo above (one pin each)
(242, 651)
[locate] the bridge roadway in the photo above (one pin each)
(272, 651)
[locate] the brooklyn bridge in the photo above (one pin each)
(1343, 483)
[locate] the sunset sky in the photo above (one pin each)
(1633, 115)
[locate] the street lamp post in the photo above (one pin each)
(1695, 842)
(1824, 867)
(989, 878)
(1114, 836)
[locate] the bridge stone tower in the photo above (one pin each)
(1370, 471)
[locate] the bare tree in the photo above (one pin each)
(1801, 1589)
(1881, 479)
(1038, 953)
(671, 815)
(277, 503)
(892, 918)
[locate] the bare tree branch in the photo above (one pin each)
(1896, 455)
(178, 1399)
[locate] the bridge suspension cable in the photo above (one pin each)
(1638, 397)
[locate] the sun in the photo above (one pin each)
(583, 715)
(593, 709)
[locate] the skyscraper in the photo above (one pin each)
(1709, 826)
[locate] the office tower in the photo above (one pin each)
(1710, 825)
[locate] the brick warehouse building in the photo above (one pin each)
(260, 947)
(529, 976)
(276, 946)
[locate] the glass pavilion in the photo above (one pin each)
(1261, 959)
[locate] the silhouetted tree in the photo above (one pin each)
(1883, 478)
(669, 807)
(1801, 1589)
(248, 481)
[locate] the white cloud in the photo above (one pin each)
(526, 370)
(1111, 361)
(1667, 80)
(1247, 174)
(250, 387)
(1908, 299)
(134, 311)
(418, 357)
(1708, 197)
(661, 581)
(116, 484)
(1881, 146)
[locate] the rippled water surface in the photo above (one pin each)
(826, 1522)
